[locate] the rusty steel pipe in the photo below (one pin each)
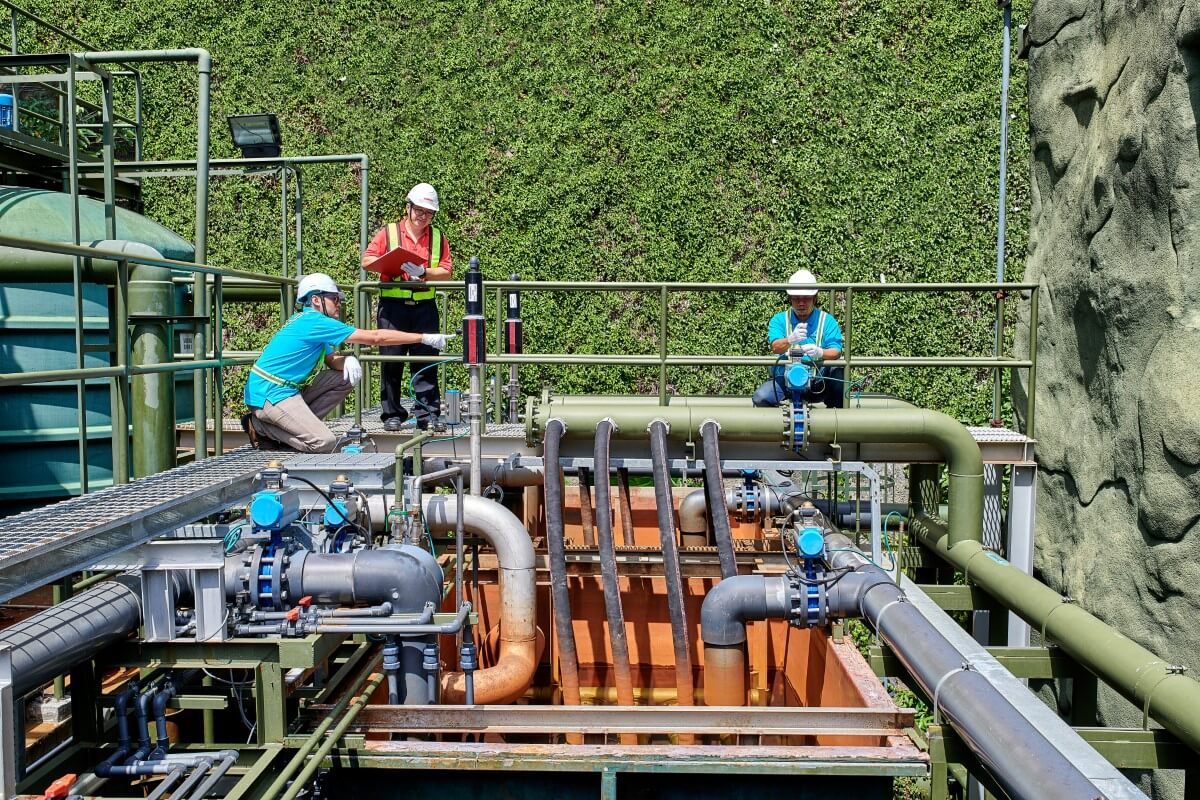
(513, 672)
(714, 493)
(625, 506)
(585, 507)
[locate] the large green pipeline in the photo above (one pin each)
(1172, 698)
(151, 294)
(865, 401)
(899, 424)
(944, 433)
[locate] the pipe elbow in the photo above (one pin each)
(510, 678)
(739, 599)
(693, 513)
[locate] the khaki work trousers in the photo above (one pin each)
(296, 421)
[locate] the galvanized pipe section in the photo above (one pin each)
(617, 637)
(49, 643)
(1008, 746)
(560, 597)
(1171, 698)
(513, 672)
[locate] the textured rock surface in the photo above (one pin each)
(1114, 90)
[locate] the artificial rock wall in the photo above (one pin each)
(1114, 93)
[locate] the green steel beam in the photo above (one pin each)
(1022, 662)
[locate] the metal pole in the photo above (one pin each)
(121, 384)
(475, 418)
(152, 295)
(1002, 203)
(76, 281)
(365, 392)
(849, 338)
(283, 222)
(1031, 392)
(299, 214)
(218, 373)
(662, 346)
(497, 399)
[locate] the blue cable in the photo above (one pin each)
(412, 391)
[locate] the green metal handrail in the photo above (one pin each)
(116, 266)
(996, 363)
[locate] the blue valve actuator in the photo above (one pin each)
(335, 515)
(811, 543)
(272, 511)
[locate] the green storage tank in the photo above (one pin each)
(39, 424)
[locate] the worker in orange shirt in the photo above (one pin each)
(405, 309)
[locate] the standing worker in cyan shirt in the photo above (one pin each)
(813, 332)
(403, 309)
(300, 376)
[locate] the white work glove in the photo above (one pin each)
(413, 271)
(437, 341)
(812, 350)
(351, 370)
(798, 334)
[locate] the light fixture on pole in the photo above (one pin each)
(256, 134)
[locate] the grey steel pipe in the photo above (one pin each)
(560, 596)
(1008, 746)
(513, 671)
(693, 519)
(1171, 698)
(666, 535)
(49, 643)
(611, 580)
(714, 492)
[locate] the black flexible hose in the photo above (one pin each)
(568, 656)
(714, 493)
(608, 568)
(670, 549)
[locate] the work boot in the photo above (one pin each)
(251, 433)
(393, 424)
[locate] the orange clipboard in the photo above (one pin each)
(388, 265)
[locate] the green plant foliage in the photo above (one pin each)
(615, 141)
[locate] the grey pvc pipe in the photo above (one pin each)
(1008, 746)
(611, 581)
(1171, 697)
(49, 643)
(734, 601)
(568, 656)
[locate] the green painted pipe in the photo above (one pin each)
(151, 292)
(1171, 698)
(826, 425)
(632, 421)
(946, 434)
(282, 779)
(863, 401)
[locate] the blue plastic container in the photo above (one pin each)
(6, 111)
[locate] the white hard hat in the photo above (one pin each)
(801, 277)
(316, 282)
(423, 195)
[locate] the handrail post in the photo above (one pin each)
(662, 344)
(497, 389)
(76, 279)
(218, 371)
(121, 383)
(1031, 393)
(849, 337)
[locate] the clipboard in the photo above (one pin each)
(388, 265)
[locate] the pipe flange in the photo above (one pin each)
(665, 423)
(706, 421)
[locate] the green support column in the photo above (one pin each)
(151, 295)
(269, 703)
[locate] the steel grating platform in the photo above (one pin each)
(45, 544)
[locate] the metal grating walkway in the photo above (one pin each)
(45, 544)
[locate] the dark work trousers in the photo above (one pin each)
(420, 316)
